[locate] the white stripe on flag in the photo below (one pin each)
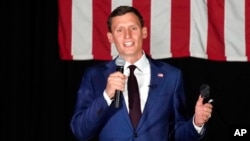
(160, 29)
(82, 29)
(198, 29)
(235, 30)
(116, 3)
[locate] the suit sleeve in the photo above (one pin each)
(184, 129)
(90, 106)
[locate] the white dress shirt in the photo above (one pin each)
(142, 73)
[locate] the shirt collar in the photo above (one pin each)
(142, 64)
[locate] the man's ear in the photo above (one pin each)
(144, 32)
(110, 37)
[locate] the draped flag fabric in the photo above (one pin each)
(210, 29)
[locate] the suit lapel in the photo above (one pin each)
(157, 78)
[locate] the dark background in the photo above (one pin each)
(38, 89)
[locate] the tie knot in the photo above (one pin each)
(132, 68)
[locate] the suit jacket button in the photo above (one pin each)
(135, 135)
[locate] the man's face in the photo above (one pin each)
(127, 35)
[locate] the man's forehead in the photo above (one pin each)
(125, 20)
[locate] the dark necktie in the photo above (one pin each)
(133, 97)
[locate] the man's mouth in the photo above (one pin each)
(128, 44)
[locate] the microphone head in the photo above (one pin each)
(205, 91)
(120, 61)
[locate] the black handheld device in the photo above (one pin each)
(205, 93)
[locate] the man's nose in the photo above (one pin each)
(127, 33)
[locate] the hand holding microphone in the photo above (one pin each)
(116, 82)
(203, 107)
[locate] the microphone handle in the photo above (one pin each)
(118, 93)
(117, 98)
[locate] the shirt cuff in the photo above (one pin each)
(106, 97)
(197, 128)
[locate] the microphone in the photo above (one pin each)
(205, 93)
(120, 62)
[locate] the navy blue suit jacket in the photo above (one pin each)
(163, 119)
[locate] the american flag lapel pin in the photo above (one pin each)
(160, 75)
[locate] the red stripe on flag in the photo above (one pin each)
(215, 42)
(247, 28)
(144, 6)
(64, 28)
(180, 28)
(101, 47)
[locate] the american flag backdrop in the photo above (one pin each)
(209, 29)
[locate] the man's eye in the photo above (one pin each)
(119, 30)
(134, 28)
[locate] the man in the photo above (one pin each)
(162, 98)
